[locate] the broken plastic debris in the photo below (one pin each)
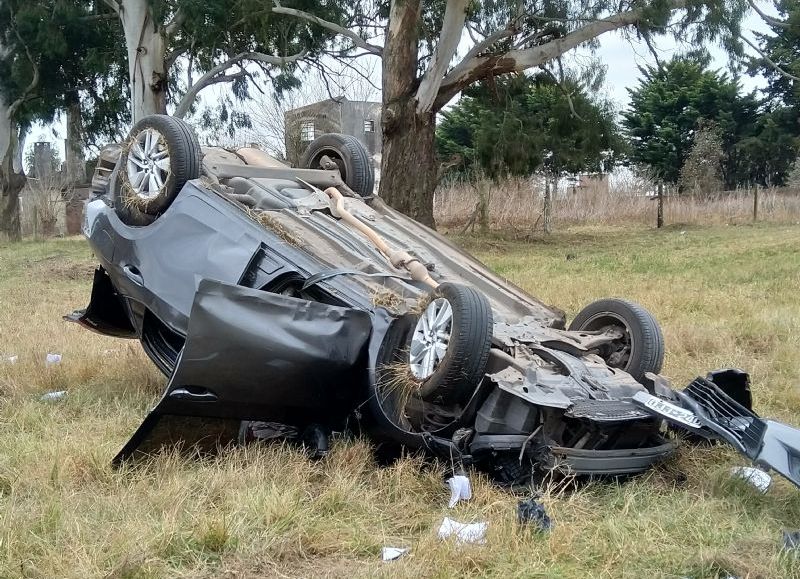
(392, 553)
(533, 513)
(12, 359)
(460, 489)
(464, 532)
(54, 396)
(756, 477)
(791, 542)
(52, 359)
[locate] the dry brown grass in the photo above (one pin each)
(264, 219)
(386, 298)
(725, 295)
(517, 204)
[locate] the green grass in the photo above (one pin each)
(724, 295)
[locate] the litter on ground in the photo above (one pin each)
(54, 396)
(530, 512)
(464, 532)
(392, 553)
(756, 477)
(460, 489)
(52, 359)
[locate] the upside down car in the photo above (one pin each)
(296, 296)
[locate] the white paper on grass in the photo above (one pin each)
(52, 359)
(12, 359)
(756, 477)
(460, 489)
(54, 396)
(392, 553)
(464, 532)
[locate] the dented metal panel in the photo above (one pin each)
(250, 354)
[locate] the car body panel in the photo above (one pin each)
(270, 311)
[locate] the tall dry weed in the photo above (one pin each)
(517, 204)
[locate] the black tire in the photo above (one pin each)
(351, 157)
(184, 165)
(645, 340)
(462, 369)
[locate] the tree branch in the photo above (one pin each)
(766, 17)
(477, 67)
(215, 75)
(93, 17)
(113, 5)
(177, 21)
(360, 42)
(23, 97)
(566, 93)
(769, 61)
(455, 14)
(171, 56)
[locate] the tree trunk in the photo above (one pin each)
(146, 46)
(76, 164)
(408, 164)
(12, 178)
(408, 169)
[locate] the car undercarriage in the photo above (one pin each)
(295, 296)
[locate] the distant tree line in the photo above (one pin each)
(686, 124)
(102, 64)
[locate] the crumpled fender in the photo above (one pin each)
(255, 355)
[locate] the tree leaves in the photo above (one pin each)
(518, 125)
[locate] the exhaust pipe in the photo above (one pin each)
(397, 258)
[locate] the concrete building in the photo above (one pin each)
(362, 119)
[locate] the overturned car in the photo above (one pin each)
(295, 296)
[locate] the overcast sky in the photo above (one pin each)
(623, 56)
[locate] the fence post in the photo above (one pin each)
(660, 214)
(548, 205)
(755, 204)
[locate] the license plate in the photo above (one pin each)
(667, 410)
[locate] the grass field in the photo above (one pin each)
(725, 296)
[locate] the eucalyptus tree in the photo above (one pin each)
(215, 39)
(51, 53)
(433, 50)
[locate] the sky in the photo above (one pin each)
(623, 57)
(621, 54)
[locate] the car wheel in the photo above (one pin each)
(161, 154)
(350, 156)
(641, 350)
(449, 344)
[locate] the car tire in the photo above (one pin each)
(161, 154)
(453, 379)
(351, 157)
(643, 333)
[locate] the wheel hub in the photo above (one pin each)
(431, 338)
(148, 164)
